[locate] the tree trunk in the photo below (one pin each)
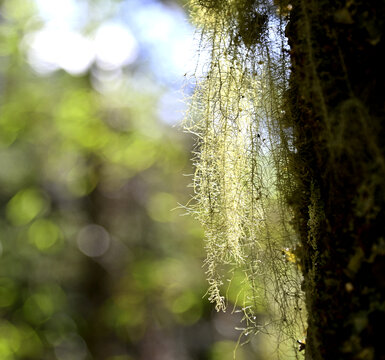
(338, 108)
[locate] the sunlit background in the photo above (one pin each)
(97, 260)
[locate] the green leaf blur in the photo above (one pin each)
(96, 259)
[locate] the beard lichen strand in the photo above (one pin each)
(242, 178)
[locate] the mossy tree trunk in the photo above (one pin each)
(338, 108)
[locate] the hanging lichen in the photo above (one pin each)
(242, 179)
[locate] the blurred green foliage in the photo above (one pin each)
(94, 261)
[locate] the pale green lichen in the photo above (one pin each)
(242, 178)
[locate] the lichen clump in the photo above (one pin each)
(242, 179)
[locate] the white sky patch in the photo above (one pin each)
(62, 12)
(115, 46)
(52, 49)
(168, 37)
(59, 45)
(161, 32)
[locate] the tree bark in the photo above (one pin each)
(338, 109)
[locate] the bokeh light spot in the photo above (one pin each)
(26, 205)
(9, 340)
(51, 49)
(43, 234)
(93, 240)
(73, 347)
(115, 46)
